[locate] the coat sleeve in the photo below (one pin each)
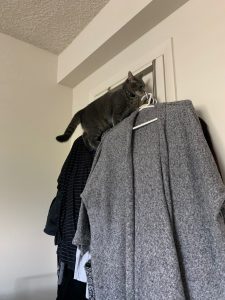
(51, 226)
(82, 238)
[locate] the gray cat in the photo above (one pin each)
(106, 112)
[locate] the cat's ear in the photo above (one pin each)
(130, 76)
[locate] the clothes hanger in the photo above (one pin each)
(150, 99)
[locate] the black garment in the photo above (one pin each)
(70, 289)
(209, 141)
(51, 226)
(64, 210)
(72, 181)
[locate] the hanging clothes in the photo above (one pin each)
(64, 210)
(70, 289)
(74, 177)
(81, 273)
(65, 207)
(90, 284)
(153, 199)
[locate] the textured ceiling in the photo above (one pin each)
(48, 24)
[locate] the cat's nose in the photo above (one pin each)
(140, 93)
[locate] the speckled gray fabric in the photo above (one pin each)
(153, 199)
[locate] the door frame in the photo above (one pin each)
(165, 73)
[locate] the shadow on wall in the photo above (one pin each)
(41, 287)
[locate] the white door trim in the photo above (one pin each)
(163, 52)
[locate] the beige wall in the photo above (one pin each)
(33, 110)
(198, 32)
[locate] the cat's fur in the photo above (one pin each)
(106, 111)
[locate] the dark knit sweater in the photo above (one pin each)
(64, 210)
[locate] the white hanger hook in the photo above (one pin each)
(147, 96)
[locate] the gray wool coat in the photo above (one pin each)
(151, 210)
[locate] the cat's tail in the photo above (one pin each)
(70, 128)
